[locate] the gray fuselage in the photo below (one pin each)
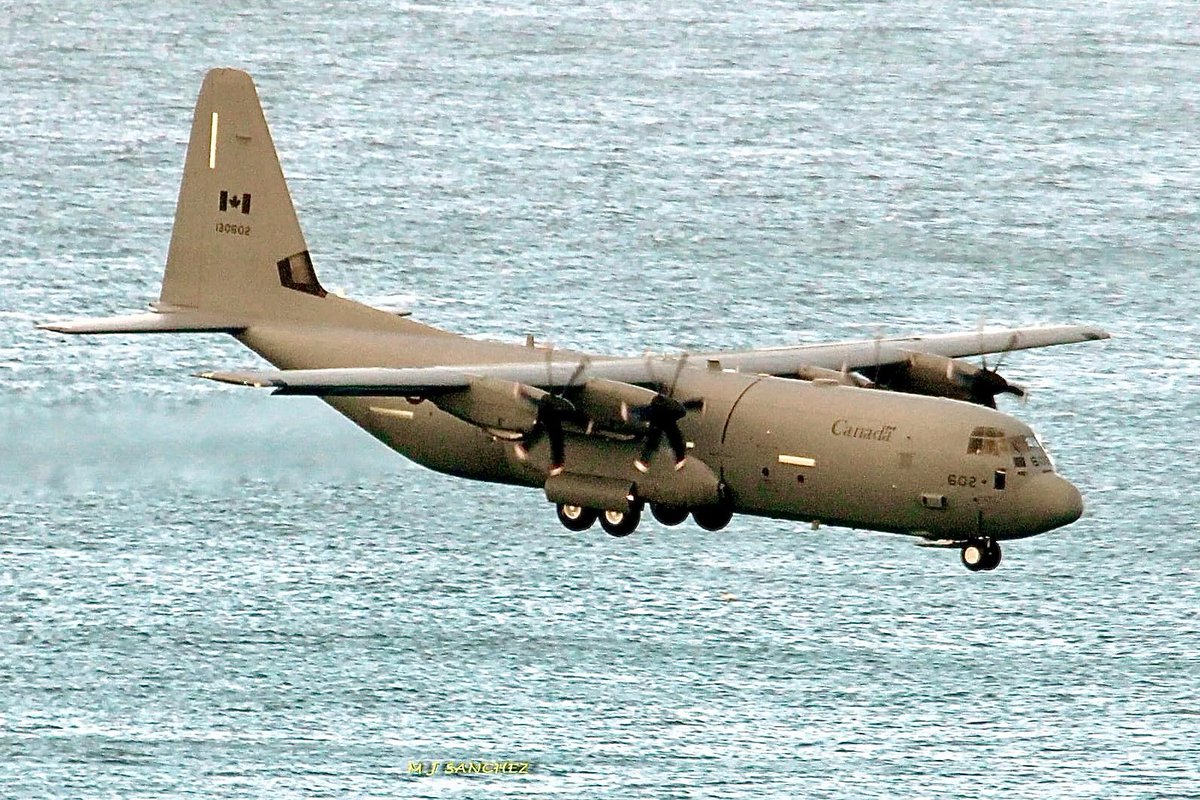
(788, 449)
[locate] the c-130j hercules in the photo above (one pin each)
(892, 434)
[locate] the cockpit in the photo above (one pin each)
(1023, 451)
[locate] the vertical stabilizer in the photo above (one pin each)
(237, 246)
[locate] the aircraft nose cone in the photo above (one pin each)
(1059, 502)
(1075, 503)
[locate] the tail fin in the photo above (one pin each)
(237, 248)
(237, 255)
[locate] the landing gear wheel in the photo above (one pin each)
(981, 555)
(576, 518)
(621, 523)
(712, 518)
(973, 556)
(668, 515)
(992, 554)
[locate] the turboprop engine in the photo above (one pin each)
(939, 376)
(521, 413)
(497, 405)
(614, 406)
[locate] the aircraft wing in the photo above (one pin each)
(866, 353)
(428, 381)
(647, 370)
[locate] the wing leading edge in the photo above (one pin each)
(432, 381)
(648, 371)
(882, 352)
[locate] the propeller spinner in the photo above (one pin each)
(662, 416)
(553, 409)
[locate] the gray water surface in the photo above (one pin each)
(216, 593)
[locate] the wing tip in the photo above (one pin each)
(250, 379)
(54, 327)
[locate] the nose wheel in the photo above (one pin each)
(981, 555)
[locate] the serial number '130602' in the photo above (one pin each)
(236, 230)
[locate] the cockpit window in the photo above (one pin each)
(1023, 444)
(1028, 451)
(986, 441)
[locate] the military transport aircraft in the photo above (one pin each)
(888, 434)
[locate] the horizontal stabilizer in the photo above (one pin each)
(167, 322)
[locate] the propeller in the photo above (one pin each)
(877, 375)
(662, 417)
(552, 410)
(988, 382)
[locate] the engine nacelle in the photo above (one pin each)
(494, 404)
(832, 375)
(939, 376)
(613, 405)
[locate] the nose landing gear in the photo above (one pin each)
(981, 555)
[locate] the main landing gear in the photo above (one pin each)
(576, 518)
(981, 555)
(669, 515)
(623, 523)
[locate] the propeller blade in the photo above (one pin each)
(679, 365)
(552, 409)
(987, 384)
(521, 448)
(678, 445)
(877, 374)
(1008, 348)
(979, 333)
(653, 437)
(579, 368)
(554, 433)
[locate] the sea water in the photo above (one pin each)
(211, 592)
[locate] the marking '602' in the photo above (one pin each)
(962, 480)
